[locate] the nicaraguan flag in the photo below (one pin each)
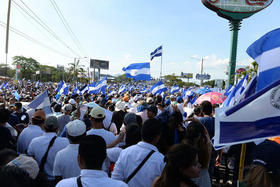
(76, 90)
(6, 85)
(42, 101)
(64, 90)
(122, 88)
(158, 88)
(255, 118)
(83, 90)
(138, 71)
(2, 85)
(143, 90)
(157, 52)
(266, 52)
(174, 89)
(236, 94)
(59, 86)
(229, 90)
(98, 87)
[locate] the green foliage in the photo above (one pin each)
(76, 70)
(210, 83)
(10, 72)
(28, 66)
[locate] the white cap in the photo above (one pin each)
(76, 128)
(72, 101)
(67, 107)
(120, 106)
(26, 163)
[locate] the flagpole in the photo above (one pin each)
(241, 163)
(161, 65)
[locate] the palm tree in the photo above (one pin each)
(76, 69)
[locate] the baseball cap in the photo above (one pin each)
(120, 106)
(72, 101)
(67, 107)
(97, 112)
(39, 115)
(76, 128)
(130, 118)
(267, 154)
(51, 123)
(26, 163)
(126, 98)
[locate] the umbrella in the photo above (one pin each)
(213, 97)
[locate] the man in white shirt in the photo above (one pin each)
(92, 152)
(66, 163)
(32, 131)
(97, 116)
(64, 118)
(39, 146)
(131, 157)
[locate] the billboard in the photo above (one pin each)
(102, 64)
(187, 75)
(203, 76)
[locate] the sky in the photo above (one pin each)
(127, 31)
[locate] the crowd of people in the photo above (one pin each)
(148, 140)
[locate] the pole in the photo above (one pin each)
(161, 66)
(201, 72)
(241, 164)
(234, 27)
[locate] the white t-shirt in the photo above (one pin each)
(109, 137)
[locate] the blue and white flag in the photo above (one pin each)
(143, 90)
(76, 90)
(2, 85)
(64, 90)
(157, 52)
(122, 89)
(6, 85)
(138, 71)
(255, 118)
(42, 101)
(174, 89)
(158, 88)
(98, 87)
(37, 84)
(266, 52)
(230, 88)
(59, 85)
(131, 88)
(15, 93)
(83, 90)
(236, 94)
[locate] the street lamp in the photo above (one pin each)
(201, 68)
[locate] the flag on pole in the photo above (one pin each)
(255, 118)
(64, 90)
(99, 87)
(157, 52)
(266, 52)
(16, 95)
(122, 88)
(42, 101)
(174, 89)
(138, 71)
(158, 88)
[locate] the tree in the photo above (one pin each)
(10, 72)
(76, 69)
(28, 66)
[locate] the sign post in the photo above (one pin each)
(235, 11)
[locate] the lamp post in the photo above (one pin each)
(201, 67)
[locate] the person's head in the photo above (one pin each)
(133, 134)
(206, 108)
(6, 155)
(152, 111)
(27, 163)
(129, 118)
(265, 168)
(38, 118)
(13, 176)
(151, 131)
(75, 131)
(197, 111)
(92, 152)
(57, 108)
(181, 165)
(97, 115)
(197, 135)
(67, 109)
(176, 119)
(51, 124)
(4, 116)
(18, 106)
